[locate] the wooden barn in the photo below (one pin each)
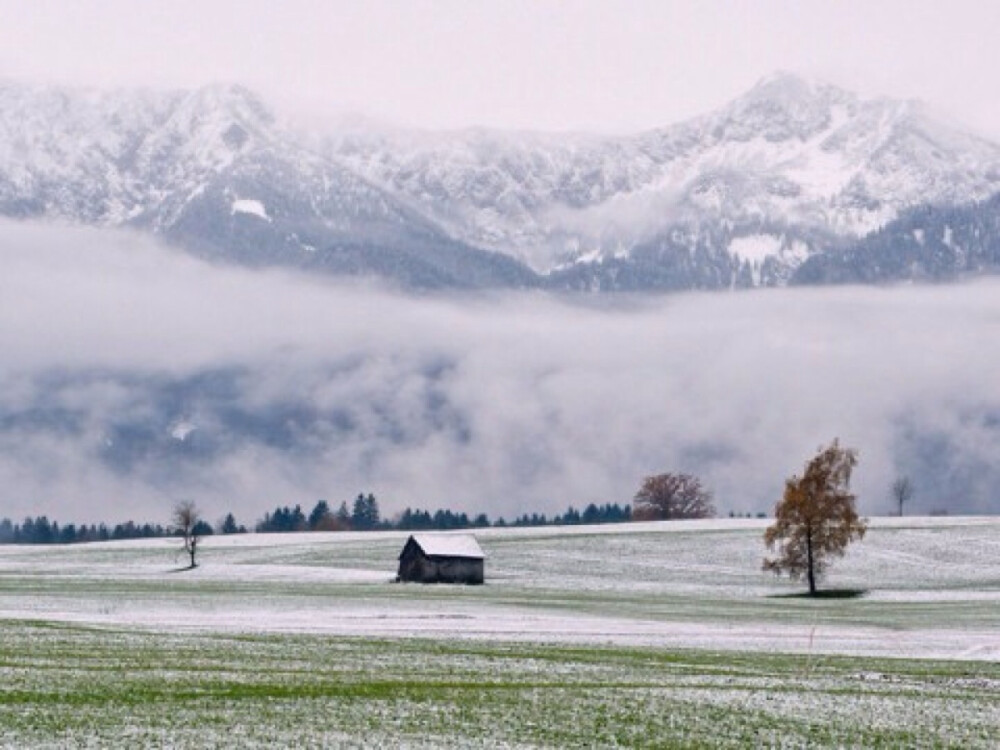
(441, 558)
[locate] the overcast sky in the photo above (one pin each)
(609, 66)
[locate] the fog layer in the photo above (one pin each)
(132, 375)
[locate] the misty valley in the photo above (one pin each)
(145, 376)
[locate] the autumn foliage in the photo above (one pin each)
(672, 496)
(816, 519)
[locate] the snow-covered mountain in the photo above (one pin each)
(924, 243)
(789, 168)
(739, 197)
(212, 171)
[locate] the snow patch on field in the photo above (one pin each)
(394, 620)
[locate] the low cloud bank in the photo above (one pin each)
(134, 375)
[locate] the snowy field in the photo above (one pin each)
(931, 588)
(636, 635)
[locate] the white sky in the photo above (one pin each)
(609, 66)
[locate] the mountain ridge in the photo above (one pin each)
(644, 185)
(180, 164)
(739, 197)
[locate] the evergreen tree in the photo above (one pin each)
(359, 514)
(229, 525)
(297, 520)
(374, 517)
(320, 517)
(366, 513)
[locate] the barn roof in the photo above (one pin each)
(449, 545)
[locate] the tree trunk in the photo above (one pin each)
(809, 559)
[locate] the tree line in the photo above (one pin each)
(40, 530)
(362, 515)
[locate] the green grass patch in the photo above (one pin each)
(68, 685)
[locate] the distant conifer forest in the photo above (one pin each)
(362, 514)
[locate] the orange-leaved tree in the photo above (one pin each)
(816, 519)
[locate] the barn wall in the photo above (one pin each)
(412, 564)
(459, 570)
(415, 566)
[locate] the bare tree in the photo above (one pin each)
(902, 492)
(187, 523)
(816, 519)
(671, 496)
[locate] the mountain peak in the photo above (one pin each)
(208, 127)
(780, 107)
(786, 84)
(231, 96)
(230, 101)
(790, 90)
